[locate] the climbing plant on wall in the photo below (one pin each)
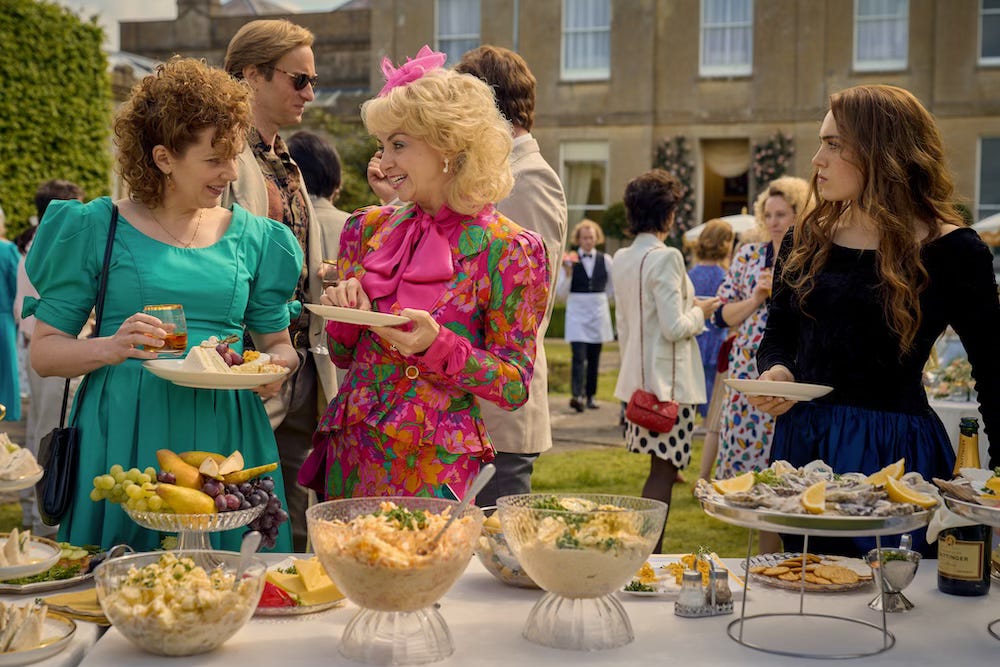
(772, 158)
(673, 155)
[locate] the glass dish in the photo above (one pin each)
(193, 529)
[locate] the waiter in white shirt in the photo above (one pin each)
(586, 286)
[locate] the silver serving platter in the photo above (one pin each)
(974, 511)
(827, 525)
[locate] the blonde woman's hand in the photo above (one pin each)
(346, 294)
(377, 180)
(417, 339)
(708, 306)
(774, 405)
(137, 329)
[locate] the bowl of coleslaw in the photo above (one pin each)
(580, 548)
(376, 551)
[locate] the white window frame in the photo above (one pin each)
(446, 41)
(985, 210)
(987, 61)
(583, 151)
(881, 64)
(567, 70)
(729, 27)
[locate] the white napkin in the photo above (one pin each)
(944, 518)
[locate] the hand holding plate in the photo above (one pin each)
(421, 334)
(774, 405)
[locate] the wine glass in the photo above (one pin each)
(172, 316)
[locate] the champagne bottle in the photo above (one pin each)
(964, 552)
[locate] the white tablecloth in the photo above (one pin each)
(951, 412)
(486, 618)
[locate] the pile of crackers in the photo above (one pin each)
(819, 571)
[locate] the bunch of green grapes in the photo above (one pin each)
(135, 488)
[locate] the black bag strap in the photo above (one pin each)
(102, 288)
(673, 345)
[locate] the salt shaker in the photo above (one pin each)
(692, 594)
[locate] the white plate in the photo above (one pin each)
(298, 610)
(355, 316)
(43, 552)
(22, 482)
(796, 391)
(170, 370)
(56, 635)
(666, 585)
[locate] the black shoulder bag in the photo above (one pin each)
(59, 450)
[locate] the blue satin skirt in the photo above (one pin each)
(852, 439)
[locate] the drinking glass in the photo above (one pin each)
(330, 277)
(172, 316)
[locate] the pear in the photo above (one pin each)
(233, 463)
(247, 474)
(210, 468)
(185, 473)
(184, 500)
(196, 457)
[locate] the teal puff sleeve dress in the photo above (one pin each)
(124, 412)
(10, 391)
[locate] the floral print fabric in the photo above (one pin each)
(745, 440)
(409, 425)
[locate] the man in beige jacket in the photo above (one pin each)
(537, 203)
(275, 58)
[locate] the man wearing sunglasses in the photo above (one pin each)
(276, 60)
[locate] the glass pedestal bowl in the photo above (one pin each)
(193, 529)
(580, 548)
(496, 555)
(395, 586)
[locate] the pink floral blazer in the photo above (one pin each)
(489, 314)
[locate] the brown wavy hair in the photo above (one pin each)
(907, 191)
(715, 243)
(171, 107)
(508, 75)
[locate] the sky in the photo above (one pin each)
(110, 12)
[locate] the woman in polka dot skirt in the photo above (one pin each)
(657, 325)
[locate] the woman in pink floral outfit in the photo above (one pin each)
(473, 283)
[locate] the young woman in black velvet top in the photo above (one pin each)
(866, 284)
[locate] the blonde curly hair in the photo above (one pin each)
(171, 107)
(795, 191)
(456, 114)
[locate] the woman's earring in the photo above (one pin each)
(445, 170)
(170, 181)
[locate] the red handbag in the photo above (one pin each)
(644, 407)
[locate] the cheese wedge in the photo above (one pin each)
(204, 359)
(310, 585)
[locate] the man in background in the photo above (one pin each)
(276, 60)
(537, 203)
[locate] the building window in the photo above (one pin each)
(989, 177)
(726, 38)
(457, 27)
(989, 32)
(586, 39)
(584, 170)
(881, 34)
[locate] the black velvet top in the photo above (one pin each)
(842, 338)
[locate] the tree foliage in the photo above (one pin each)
(55, 104)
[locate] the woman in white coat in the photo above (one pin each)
(658, 318)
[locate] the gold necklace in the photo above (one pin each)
(197, 228)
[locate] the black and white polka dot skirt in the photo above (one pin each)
(674, 446)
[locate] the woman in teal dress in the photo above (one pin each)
(10, 391)
(177, 139)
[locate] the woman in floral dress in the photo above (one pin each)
(745, 442)
(474, 284)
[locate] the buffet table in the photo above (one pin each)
(486, 617)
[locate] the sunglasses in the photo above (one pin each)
(300, 80)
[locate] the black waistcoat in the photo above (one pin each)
(597, 282)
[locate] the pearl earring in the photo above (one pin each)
(445, 170)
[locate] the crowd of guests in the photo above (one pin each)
(848, 282)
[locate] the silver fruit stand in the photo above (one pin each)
(983, 514)
(810, 625)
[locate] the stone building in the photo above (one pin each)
(616, 77)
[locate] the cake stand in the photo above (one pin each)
(791, 626)
(984, 514)
(193, 529)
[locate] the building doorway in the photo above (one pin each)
(725, 187)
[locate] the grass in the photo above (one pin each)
(10, 516)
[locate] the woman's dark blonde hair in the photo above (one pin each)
(907, 191)
(171, 107)
(457, 116)
(715, 243)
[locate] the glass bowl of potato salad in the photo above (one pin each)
(179, 602)
(378, 552)
(580, 548)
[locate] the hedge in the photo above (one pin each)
(55, 105)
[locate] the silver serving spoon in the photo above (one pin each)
(251, 541)
(485, 475)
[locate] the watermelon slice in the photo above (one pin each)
(275, 596)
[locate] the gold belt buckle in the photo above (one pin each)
(412, 372)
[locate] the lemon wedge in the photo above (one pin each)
(993, 484)
(814, 498)
(736, 484)
(903, 493)
(894, 470)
